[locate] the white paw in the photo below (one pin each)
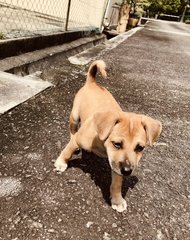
(119, 205)
(60, 165)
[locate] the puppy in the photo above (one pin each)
(108, 132)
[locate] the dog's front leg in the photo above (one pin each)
(62, 161)
(117, 201)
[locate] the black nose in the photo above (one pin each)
(126, 172)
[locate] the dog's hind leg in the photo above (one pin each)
(62, 161)
(73, 124)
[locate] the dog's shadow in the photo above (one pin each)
(100, 172)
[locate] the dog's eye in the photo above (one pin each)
(139, 148)
(117, 145)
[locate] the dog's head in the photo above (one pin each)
(125, 136)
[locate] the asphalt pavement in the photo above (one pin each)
(148, 73)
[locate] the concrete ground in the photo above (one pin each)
(149, 74)
(16, 89)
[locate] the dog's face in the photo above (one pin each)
(125, 137)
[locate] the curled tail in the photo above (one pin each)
(97, 65)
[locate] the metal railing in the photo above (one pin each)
(25, 18)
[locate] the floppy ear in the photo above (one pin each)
(104, 123)
(152, 127)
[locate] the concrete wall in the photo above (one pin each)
(112, 13)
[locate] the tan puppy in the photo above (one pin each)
(108, 132)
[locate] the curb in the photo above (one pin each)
(90, 54)
(27, 63)
(17, 46)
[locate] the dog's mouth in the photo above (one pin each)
(123, 173)
(121, 170)
(117, 171)
(114, 167)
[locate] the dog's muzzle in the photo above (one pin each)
(122, 169)
(125, 171)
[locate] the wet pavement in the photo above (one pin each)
(148, 73)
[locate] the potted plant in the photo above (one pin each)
(133, 19)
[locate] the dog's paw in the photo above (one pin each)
(60, 165)
(119, 205)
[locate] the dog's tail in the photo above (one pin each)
(98, 65)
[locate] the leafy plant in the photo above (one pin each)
(2, 36)
(160, 6)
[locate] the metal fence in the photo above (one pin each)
(24, 18)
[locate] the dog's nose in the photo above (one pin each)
(126, 171)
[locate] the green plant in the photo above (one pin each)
(2, 36)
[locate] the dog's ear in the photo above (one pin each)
(104, 123)
(152, 128)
